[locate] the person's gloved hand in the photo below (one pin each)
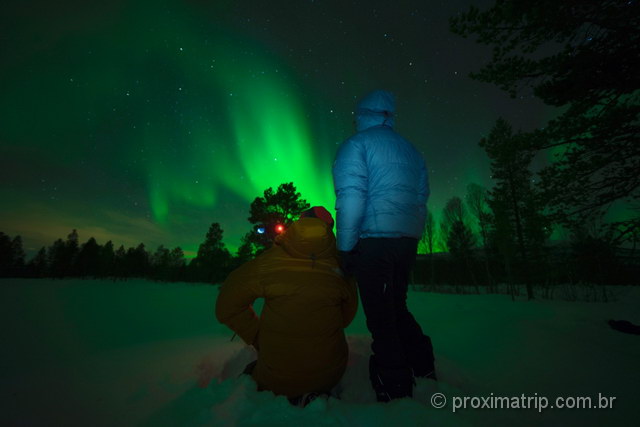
(347, 261)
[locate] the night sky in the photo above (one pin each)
(146, 121)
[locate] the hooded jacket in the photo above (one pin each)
(308, 303)
(380, 179)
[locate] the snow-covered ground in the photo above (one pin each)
(79, 352)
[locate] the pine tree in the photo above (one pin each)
(57, 259)
(176, 264)
(477, 201)
(428, 241)
(247, 250)
(274, 208)
(72, 247)
(11, 256)
(160, 263)
(213, 261)
(88, 259)
(120, 263)
(513, 198)
(137, 261)
(582, 57)
(38, 267)
(107, 260)
(18, 255)
(6, 255)
(458, 238)
(461, 241)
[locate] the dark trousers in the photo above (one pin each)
(400, 349)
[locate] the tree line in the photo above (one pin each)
(212, 263)
(485, 242)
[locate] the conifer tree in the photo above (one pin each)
(272, 209)
(213, 260)
(580, 56)
(88, 259)
(38, 267)
(107, 260)
(513, 200)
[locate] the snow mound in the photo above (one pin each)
(225, 397)
(82, 352)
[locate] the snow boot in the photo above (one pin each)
(390, 384)
(305, 399)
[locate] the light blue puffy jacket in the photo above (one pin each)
(380, 178)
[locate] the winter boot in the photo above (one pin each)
(305, 399)
(390, 384)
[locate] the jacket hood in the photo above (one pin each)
(308, 238)
(374, 109)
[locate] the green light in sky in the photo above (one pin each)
(259, 137)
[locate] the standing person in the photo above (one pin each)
(302, 350)
(382, 188)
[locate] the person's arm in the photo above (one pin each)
(350, 303)
(350, 180)
(234, 304)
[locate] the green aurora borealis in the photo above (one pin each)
(147, 121)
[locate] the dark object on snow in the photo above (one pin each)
(305, 399)
(248, 370)
(624, 326)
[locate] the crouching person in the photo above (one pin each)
(302, 350)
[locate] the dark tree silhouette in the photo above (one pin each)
(477, 202)
(248, 249)
(57, 259)
(273, 208)
(11, 256)
(453, 212)
(137, 262)
(513, 199)
(160, 261)
(72, 247)
(428, 241)
(582, 56)
(459, 239)
(38, 266)
(88, 259)
(107, 260)
(119, 263)
(177, 267)
(18, 253)
(593, 255)
(213, 261)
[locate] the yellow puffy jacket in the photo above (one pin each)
(308, 303)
